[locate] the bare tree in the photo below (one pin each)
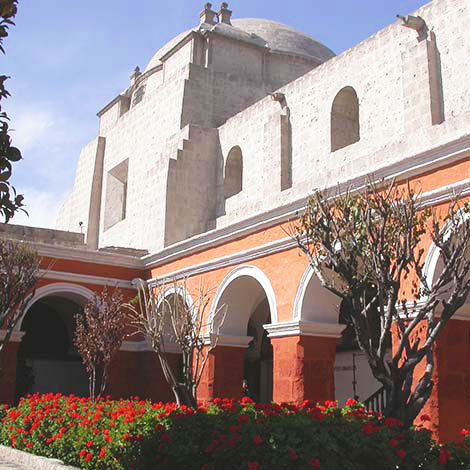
(100, 330)
(19, 273)
(367, 248)
(168, 318)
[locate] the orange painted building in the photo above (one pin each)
(206, 191)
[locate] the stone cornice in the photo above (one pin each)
(144, 346)
(303, 328)
(88, 256)
(228, 340)
(86, 279)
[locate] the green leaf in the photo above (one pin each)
(13, 154)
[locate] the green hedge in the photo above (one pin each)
(139, 435)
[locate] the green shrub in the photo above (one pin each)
(139, 435)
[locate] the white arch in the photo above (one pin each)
(73, 292)
(258, 275)
(328, 302)
(434, 253)
(179, 290)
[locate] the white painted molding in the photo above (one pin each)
(229, 260)
(303, 328)
(255, 273)
(86, 278)
(410, 305)
(299, 296)
(228, 340)
(71, 291)
(144, 346)
(16, 336)
(88, 256)
(427, 199)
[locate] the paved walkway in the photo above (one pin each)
(4, 465)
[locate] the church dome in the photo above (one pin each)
(266, 33)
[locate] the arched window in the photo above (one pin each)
(344, 119)
(233, 176)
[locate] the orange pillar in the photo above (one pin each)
(8, 378)
(449, 405)
(223, 374)
(303, 368)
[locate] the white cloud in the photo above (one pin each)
(30, 127)
(42, 207)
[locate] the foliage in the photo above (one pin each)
(367, 248)
(139, 435)
(19, 273)
(100, 330)
(9, 203)
(164, 316)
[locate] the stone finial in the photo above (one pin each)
(208, 15)
(136, 74)
(225, 14)
(417, 23)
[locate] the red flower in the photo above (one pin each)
(292, 453)
(393, 442)
(253, 466)
(257, 440)
(88, 457)
(401, 453)
(246, 401)
(315, 463)
(351, 402)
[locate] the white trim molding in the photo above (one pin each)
(304, 328)
(228, 340)
(16, 336)
(299, 296)
(86, 279)
(61, 289)
(144, 346)
(248, 271)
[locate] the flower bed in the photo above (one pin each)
(139, 435)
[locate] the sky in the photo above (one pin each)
(68, 59)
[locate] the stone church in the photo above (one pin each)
(196, 170)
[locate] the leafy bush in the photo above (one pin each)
(140, 435)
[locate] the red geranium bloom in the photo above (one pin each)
(253, 466)
(257, 440)
(315, 463)
(401, 453)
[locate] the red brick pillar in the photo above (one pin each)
(303, 364)
(449, 405)
(223, 374)
(140, 373)
(8, 379)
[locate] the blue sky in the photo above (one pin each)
(68, 59)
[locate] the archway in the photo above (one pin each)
(317, 305)
(250, 304)
(47, 359)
